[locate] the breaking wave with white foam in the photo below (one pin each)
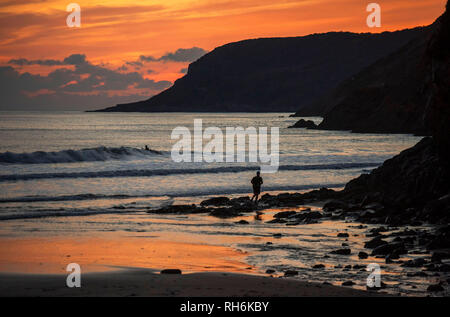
(101, 153)
(165, 172)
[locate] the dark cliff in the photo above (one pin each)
(416, 183)
(273, 74)
(405, 92)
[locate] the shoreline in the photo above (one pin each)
(30, 261)
(144, 282)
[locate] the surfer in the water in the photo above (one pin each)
(257, 181)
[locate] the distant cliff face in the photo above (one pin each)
(269, 75)
(405, 92)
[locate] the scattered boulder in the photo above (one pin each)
(290, 273)
(318, 266)
(334, 204)
(277, 220)
(435, 288)
(223, 212)
(389, 248)
(270, 271)
(374, 243)
(216, 201)
(287, 199)
(284, 214)
(343, 235)
(302, 123)
(342, 251)
(240, 201)
(307, 216)
(242, 222)
(348, 283)
(170, 271)
(415, 263)
(441, 241)
(417, 274)
(438, 267)
(363, 255)
(179, 209)
(438, 256)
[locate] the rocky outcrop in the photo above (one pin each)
(302, 123)
(272, 74)
(405, 92)
(415, 185)
(410, 179)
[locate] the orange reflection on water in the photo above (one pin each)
(45, 255)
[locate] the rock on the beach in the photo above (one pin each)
(375, 242)
(302, 123)
(287, 199)
(277, 220)
(179, 209)
(348, 283)
(334, 204)
(227, 212)
(290, 273)
(216, 201)
(442, 239)
(438, 256)
(307, 217)
(386, 249)
(318, 266)
(435, 288)
(415, 263)
(284, 214)
(171, 271)
(358, 266)
(363, 255)
(342, 251)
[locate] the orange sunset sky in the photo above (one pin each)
(38, 68)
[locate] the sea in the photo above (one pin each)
(71, 163)
(58, 167)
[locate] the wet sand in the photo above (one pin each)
(119, 267)
(98, 254)
(140, 282)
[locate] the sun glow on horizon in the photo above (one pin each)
(115, 33)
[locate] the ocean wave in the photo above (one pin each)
(101, 153)
(33, 214)
(32, 199)
(166, 172)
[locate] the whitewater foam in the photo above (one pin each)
(101, 153)
(165, 172)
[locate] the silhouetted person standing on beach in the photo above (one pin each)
(257, 181)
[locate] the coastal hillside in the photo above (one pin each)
(400, 93)
(272, 74)
(416, 183)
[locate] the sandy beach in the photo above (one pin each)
(141, 282)
(112, 266)
(130, 266)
